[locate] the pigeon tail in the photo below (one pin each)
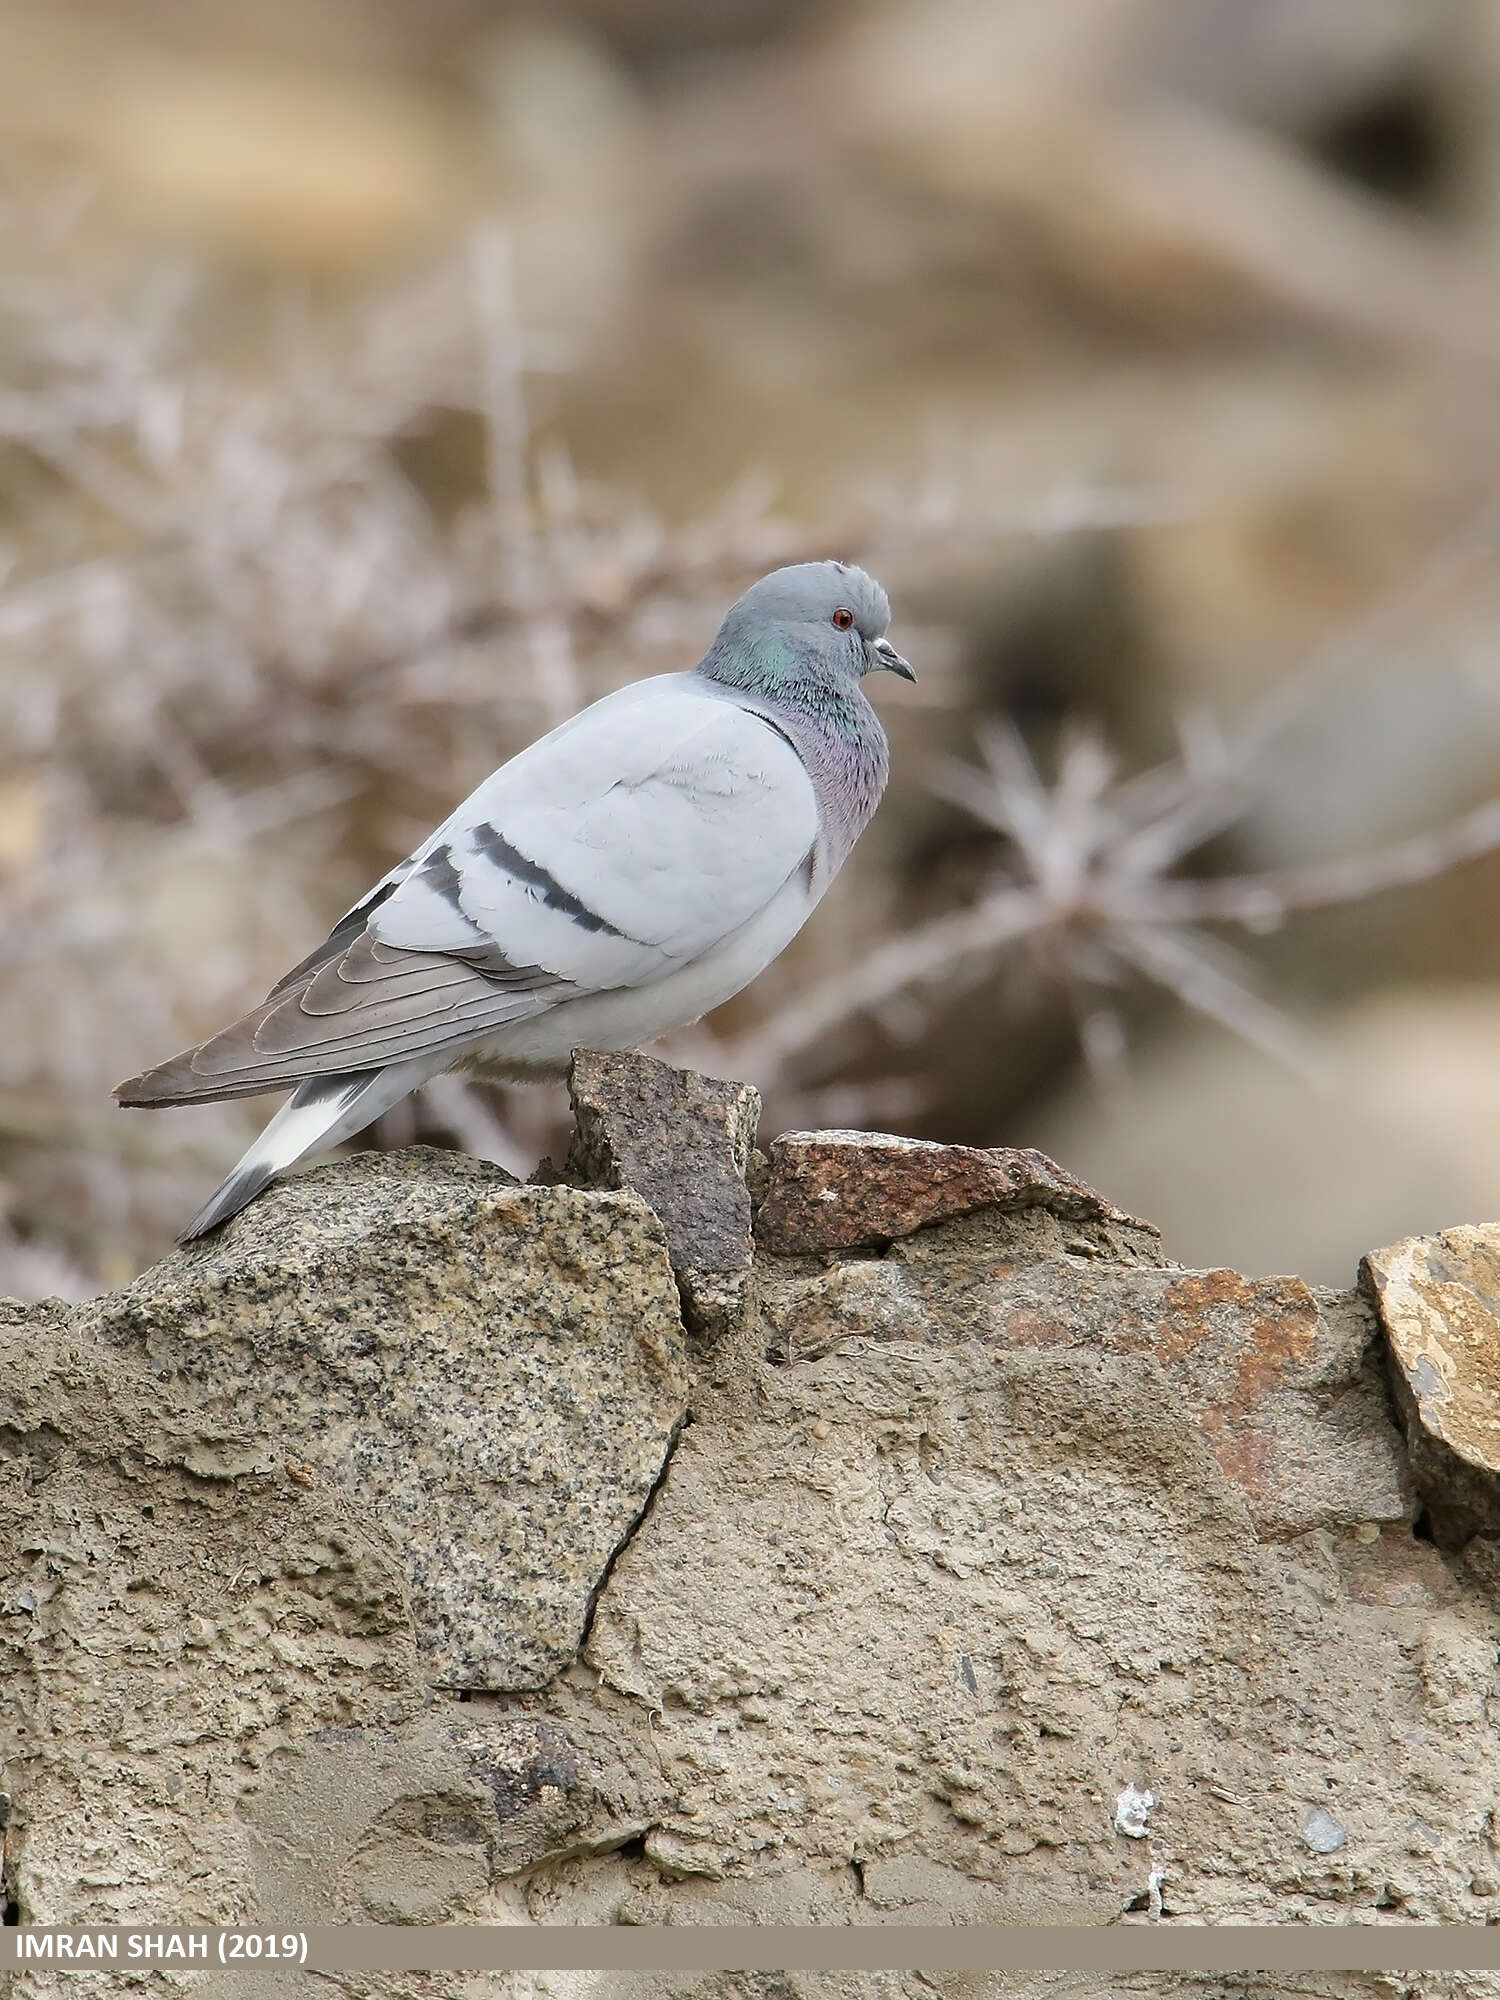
(318, 1114)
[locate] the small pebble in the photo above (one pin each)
(1322, 1832)
(1367, 1532)
(820, 1429)
(1132, 1810)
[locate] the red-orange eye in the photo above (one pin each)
(843, 618)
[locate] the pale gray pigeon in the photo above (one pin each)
(623, 876)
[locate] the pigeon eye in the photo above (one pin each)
(843, 618)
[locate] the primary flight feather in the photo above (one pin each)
(627, 873)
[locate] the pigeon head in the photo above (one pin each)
(819, 620)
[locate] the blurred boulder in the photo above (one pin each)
(300, 166)
(1245, 1163)
(570, 170)
(1156, 201)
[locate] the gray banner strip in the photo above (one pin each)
(1144, 1947)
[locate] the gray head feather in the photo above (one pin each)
(811, 621)
(794, 649)
(810, 594)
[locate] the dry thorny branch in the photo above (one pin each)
(246, 658)
(1086, 880)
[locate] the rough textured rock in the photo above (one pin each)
(1010, 1518)
(849, 1190)
(405, 1826)
(1439, 1302)
(165, 1633)
(896, 1646)
(682, 1141)
(384, 1433)
(1283, 1384)
(495, 1371)
(264, 1981)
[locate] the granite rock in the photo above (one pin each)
(495, 1372)
(681, 1140)
(216, 1708)
(166, 1636)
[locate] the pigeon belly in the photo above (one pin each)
(627, 1016)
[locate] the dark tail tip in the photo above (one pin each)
(240, 1189)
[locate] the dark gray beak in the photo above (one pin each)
(883, 656)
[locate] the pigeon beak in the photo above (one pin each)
(885, 658)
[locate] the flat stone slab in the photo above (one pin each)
(848, 1190)
(494, 1372)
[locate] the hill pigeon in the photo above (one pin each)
(626, 874)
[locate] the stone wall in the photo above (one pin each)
(430, 1548)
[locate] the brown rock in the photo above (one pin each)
(846, 1190)
(680, 1140)
(1438, 1298)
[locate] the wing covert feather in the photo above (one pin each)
(617, 850)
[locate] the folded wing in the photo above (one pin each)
(619, 849)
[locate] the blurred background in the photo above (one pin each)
(378, 383)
